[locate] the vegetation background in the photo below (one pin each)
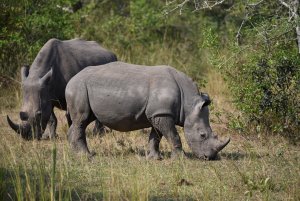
(243, 53)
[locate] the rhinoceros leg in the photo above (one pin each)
(154, 140)
(51, 125)
(68, 119)
(166, 126)
(76, 133)
(77, 138)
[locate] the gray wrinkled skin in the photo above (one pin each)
(44, 83)
(128, 97)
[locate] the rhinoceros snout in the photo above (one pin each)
(209, 149)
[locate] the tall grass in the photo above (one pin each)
(34, 179)
(251, 169)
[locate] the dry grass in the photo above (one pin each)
(251, 168)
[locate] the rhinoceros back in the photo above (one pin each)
(74, 55)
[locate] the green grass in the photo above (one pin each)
(252, 168)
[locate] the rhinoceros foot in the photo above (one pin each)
(47, 136)
(91, 155)
(178, 154)
(153, 155)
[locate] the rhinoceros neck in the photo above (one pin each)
(189, 91)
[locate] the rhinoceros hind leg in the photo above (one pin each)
(166, 125)
(51, 126)
(154, 140)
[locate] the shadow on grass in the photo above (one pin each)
(223, 155)
(86, 196)
(234, 156)
(156, 198)
(239, 156)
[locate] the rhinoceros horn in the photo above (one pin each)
(221, 145)
(21, 129)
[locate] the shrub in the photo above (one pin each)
(26, 26)
(268, 92)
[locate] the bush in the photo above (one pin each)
(25, 27)
(268, 92)
(264, 72)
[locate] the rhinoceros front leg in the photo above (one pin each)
(51, 127)
(154, 140)
(166, 126)
(77, 138)
(76, 133)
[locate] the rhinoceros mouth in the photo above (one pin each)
(207, 150)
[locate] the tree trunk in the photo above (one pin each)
(296, 17)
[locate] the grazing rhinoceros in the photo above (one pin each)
(44, 84)
(128, 97)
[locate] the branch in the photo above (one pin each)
(198, 6)
(255, 4)
(212, 5)
(179, 6)
(291, 9)
(285, 4)
(238, 35)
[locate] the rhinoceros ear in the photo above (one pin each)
(200, 102)
(206, 98)
(24, 72)
(46, 78)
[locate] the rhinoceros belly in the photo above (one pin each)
(118, 101)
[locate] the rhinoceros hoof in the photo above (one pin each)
(46, 136)
(91, 155)
(154, 156)
(178, 154)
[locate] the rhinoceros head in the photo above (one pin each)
(36, 108)
(198, 133)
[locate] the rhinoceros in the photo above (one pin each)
(127, 97)
(44, 84)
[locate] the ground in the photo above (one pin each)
(252, 167)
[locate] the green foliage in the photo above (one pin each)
(26, 26)
(124, 24)
(268, 91)
(264, 71)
